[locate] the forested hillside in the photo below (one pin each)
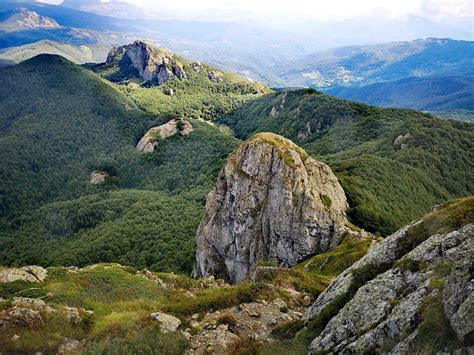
(61, 123)
(393, 164)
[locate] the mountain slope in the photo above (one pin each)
(61, 123)
(79, 54)
(424, 94)
(23, 18)
(393, 164)
(362, 65)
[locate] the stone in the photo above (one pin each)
(29, 273)
(72, 315)
(69, 346)
(271, 202)
(15, 337)
(98, 177)
(25, 317)
(149, 141)
(400, 142)
(215, 76)
(33, 303)
(168, 323)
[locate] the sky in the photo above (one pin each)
(320, 10)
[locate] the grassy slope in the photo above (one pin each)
(122, 302)
(60, 122)
(386, 186)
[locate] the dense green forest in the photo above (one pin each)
(60, 122)
(393, 164)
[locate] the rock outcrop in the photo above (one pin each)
(379, 299)
(271, 202)
(29, 273)
(168, 323)
(98, 177)
(149, 141)
(153, 64)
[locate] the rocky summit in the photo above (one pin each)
(150, 63)
(271, 202)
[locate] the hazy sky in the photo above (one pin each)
(325, 10)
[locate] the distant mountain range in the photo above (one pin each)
(362, 65)
(450, 97)
(252, 49)
(433, 74)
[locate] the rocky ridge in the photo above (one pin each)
(271, 202)
(380, 299)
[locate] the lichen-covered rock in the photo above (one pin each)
(458, 295)
(69, 346)
(271, 202)
(167, 322)
(149, 141)
(33, 303)
(214, 341)
(72, 315)
(29, 273)
(388, 306)
(24, 317)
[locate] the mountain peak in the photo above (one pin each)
(146, 61)
(23, 18)
(271, 202)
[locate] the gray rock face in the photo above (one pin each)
(458, 295)
(271, 202)
(388, 306)
(152, 63)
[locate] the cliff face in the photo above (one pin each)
(387, 299)
(271, 202)
(151, 63)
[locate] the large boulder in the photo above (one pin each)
(168, 323)
(29, 273)
(149, 141)
(271, 202)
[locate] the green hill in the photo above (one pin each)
(60, 123)
(393, 164)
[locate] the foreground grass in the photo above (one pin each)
(122, 300)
